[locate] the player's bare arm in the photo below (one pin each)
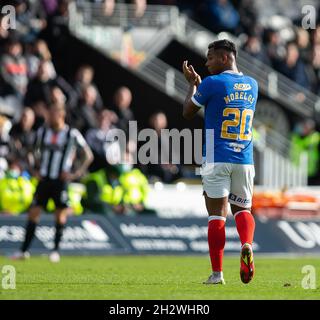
(189, 108)
(34, 159)
(88, 158)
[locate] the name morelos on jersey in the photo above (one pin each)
(229, 100)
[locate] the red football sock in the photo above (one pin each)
(245, 226)
(216, 241)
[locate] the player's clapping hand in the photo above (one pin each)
(190, 74)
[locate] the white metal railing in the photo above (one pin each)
(88, 21)
(125, 15)
(165, 77)
(158, 42)
(278, 172)
(272, 138)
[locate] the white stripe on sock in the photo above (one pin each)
(218, 273)
(240, 212)
(210, 218)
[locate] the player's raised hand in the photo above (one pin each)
(197, 77)
(190, 74)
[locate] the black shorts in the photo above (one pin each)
(57, 190)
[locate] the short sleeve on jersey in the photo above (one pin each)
(203, 93)
(79, 139)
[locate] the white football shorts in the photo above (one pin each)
(229, 179)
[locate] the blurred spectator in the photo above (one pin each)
(4, 34)
(84, 78)
(11, 107)
(188, 7)
(275, 47)
(140, 7)
(122, 100)
(94, 199)
(101, 140)
(121, 191)
(256, 49)
(13, 70)
(16, 189)
(41, 111)
(40, 87)
(29, 21)
(219, 15)
(109, 5)
(85, 115)
(293, 67)
(135, 190)
(59, 19)
(5, 143)
(57, 31)
(306, 140)
(304, 44)
(315, 35)
(156, 170)
(316, 68)
(49, 6)
(57, 96)
(23, 137)
(248, 15)
(38, 52)
(42, 51)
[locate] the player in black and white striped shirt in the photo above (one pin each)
(55, 153)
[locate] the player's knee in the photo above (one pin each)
(61, 219)
(34, 214)
(61, 216)
(235, 209)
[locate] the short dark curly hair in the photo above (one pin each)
(225, 45)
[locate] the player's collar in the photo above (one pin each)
(233, 72)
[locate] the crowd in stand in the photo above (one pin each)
(280, 43)
(296, 55)
(30, 83)
(294, 52)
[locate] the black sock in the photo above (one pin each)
(30, 231)
(59, 232)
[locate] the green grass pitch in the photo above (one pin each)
(156, 277)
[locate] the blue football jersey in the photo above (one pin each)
(229, 100)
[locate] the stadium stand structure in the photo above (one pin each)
(89, 22)
(145, 41)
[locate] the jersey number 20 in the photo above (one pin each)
(240, 119)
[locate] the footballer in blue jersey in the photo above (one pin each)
(229, 99)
